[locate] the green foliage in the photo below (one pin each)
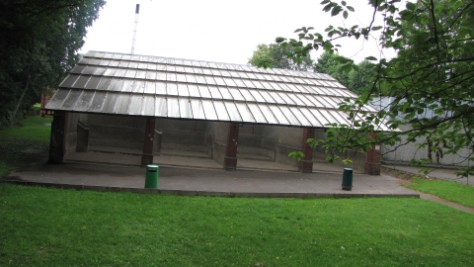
(263, 58)
(362, 78)
(36, 107)
(358, 78)
(54, 227)
(275, 56)
(452, 191)
(298, 155)
(337, 142)
(39, 43)
(433, 72)
(335, 65)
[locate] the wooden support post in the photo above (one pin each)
(148, 139)
(372, 164)
(230, 159)
(44, 101)
(306, 164)
(58, 138)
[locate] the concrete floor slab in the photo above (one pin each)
(199, 181)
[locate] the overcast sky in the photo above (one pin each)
(214, 30)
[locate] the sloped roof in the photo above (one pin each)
(137, 85)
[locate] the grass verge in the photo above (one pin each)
(56, 227)
(452, 191)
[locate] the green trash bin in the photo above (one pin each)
(152, 173)
(347, 179)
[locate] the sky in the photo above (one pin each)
(216, 30)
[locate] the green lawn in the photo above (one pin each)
(456, 192)
(57, 227)
(4, 169)
(24, 144)
(32, 129)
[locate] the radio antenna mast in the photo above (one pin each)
(137, 12)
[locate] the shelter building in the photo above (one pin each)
(157, 108)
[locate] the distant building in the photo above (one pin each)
(404, 152)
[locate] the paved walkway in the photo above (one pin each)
(435, 173)
(218, 182)
(194, 181)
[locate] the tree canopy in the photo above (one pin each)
(275, 56)
(356, 77)
(433, 70)
(333, 65)
(39, 43)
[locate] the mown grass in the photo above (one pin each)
(4, 169)
(452, 191)
(55, 227)
(32, 129)
(24, 144)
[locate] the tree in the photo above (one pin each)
(434, 70)
(39, 43)
(361, 78)
(357, 78)
(335, 65)
(275, 56)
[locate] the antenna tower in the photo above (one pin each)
(137, 12)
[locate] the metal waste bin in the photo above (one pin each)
(152, 173)
(347, 179)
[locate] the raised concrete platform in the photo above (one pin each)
(214, 182)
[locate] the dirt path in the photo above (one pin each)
(446, 202)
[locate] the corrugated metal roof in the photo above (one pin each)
(137, 85)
